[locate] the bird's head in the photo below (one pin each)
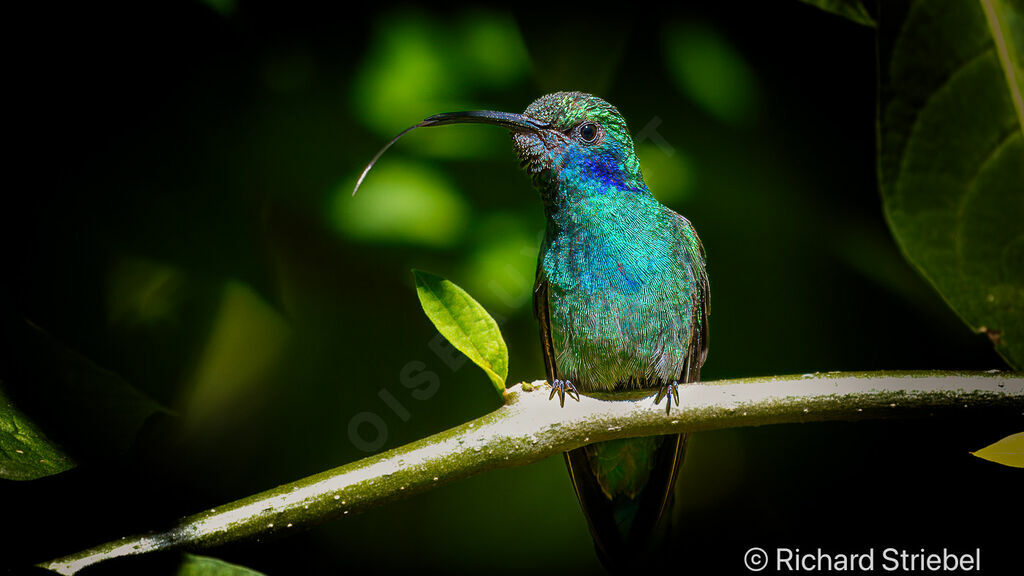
(586, 140)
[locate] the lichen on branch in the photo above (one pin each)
(529, 427)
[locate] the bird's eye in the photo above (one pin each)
(588, 132)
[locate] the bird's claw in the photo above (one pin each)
(672, 391)
(561, 387)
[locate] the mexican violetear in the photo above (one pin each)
(621, 296)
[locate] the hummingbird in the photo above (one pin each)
(621, 298)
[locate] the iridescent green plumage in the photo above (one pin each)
(621, 296)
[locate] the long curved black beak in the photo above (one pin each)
(518, 122)
(514, 122)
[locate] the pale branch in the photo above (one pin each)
(529, 427)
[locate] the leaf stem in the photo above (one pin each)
(529, 428)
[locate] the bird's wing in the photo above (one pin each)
(542, 312)
(692, 258)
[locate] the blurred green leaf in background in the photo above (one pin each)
(195, 565)
(855, 10)
(707, 69)
(671, 177)
(420, 64)
(246, 343)
(404, 202)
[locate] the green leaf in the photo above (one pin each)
(25, 452)
(57, 407)
(711, 72)
(851, 9)
(1009, 451)
(418, 63)
(465, 323)
(246, 342)
(194, 565)
(952, 154)
(402, 202)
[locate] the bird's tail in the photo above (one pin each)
(624, 487)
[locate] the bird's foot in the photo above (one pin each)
(672, 391)
(561, 387)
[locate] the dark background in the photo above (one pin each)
(179, 212)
